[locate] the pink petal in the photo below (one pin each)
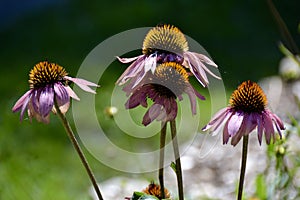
(268, 127)
(83, 84)
(24, 99)
(234, 123)
(219, 118)
(132, 70)
(127, 60)
(72, 93)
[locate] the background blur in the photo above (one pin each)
(37, 161)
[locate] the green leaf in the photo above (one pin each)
(137, 195)
(173, 166)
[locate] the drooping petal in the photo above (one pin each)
(268, 127)
(127, 60)
(204, 59)
(226, 135)
(132, 70)
(24, 107)
(152, 113)
(219, 119)
(198, 73)
(242, 131)
(260, 128)
(234, 123)
(61, 94)
(220, 114)
(278, 122)
(23, 100)
(46, 100)
(173, 110)
(150, 63)
(71, 93)
(83, 84)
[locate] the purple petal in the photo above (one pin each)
(268, 127)
(208, 61)
(234, 123)
(152, 113)
(24, 99)
(197, 71)
(132, 70)
(226, 135)
(61, 94)
(83, 84)
(260, 128)
(244, 129)
(277, 121)
(216, 119)
(46, 101)
(172, 113)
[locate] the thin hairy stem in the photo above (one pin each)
(161, 158)
(243, 166)
(177, 160)
(75, 143)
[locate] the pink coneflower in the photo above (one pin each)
(48, 84)
(166, 43)
(247, 110)
(169, 81)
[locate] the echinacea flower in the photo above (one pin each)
(154, 190)
(169, 81)
(49, 84)
(166, 43)
(247, 110)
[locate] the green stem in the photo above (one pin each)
(243, 166)
(177, 160)
(161, 158)
(75, 143)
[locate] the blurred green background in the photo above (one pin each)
(37, 161)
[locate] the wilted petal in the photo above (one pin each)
(198, 73)
(132, 70)
(23, 100)
(150, 63)
(127, 60)
(215, 119)
(83, 84)
(46, 101)
(71, 93)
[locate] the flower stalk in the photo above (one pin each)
(177, 160)
(243, 166)
(75, 143)
(161, 158)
